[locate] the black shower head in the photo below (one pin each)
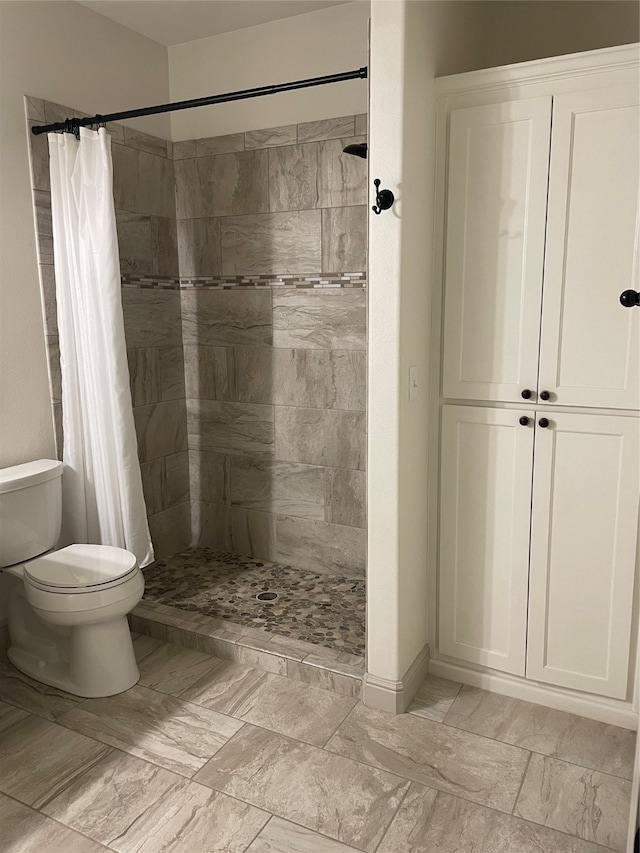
(359, 149)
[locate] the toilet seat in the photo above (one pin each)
(81, 569)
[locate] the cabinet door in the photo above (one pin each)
(485, 512)
(496, 205)
(590, 345)
(583, 552)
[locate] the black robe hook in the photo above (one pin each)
(384, 198)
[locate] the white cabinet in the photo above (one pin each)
(485, 507)
(498, 167)
(540, 492)
(569, 552)
(590, 345)
(497, 298)
(583, 550)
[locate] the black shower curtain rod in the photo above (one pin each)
(71, 125)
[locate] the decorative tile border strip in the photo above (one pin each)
(331, 670)
(249, 282)
(150, 282)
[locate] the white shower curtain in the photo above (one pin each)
(102, 488)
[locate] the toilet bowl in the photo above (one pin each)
(68, 607)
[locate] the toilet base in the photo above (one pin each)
(98, 661)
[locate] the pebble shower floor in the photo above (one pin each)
(327, 610)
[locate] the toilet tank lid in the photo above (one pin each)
(29, 474)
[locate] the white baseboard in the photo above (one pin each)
(585, 705)
(383, 694)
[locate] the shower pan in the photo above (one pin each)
(326, 610)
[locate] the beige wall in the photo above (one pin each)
(410, 43)
(311, 45)
(68, 54)
(516, 31)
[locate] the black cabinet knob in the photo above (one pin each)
(524, 421)
(526, 394)
(544, 395)
(543, 422)
(630, 298)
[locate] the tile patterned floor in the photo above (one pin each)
(323, 609)
(211, 756)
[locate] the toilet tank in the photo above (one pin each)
(30, 509)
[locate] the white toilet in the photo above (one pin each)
(68, 608)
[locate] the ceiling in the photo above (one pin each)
(176, 21)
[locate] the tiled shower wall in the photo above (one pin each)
(265, 271)
(276, 373)
(145, 214)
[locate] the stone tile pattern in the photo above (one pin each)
(281, 200)
(211, 754)
(146, 221)
(276, 391)
(279, 217)
(312, 607)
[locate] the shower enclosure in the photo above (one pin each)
(243, 285)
